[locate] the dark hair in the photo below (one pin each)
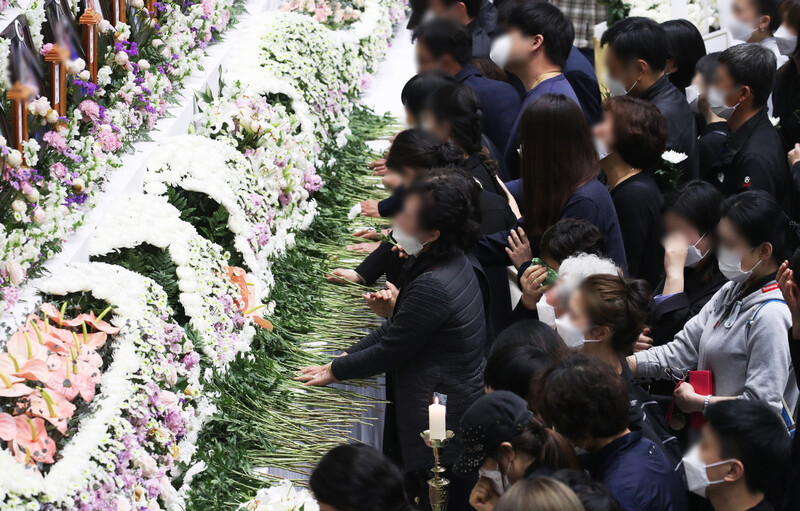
(640, 130)
(753, 66)
(473, 6)
(445, 37)
(448, 205)
(541, 18)
(685, 46)
(583, 397)
(420, 150)
(548, 448)
(356, 477)
(707, 66)
(794, 263)
(554, 161)
(458, 105)
(513, 367)
(619, 304)
(790, 13)
(752, 432)
(759, 219)
(638, 38)
(539, 494)
(771, 8)
(531, 332)
(570, 236)
(418, 89)
(593, 494)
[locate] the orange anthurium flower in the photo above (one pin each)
(11, 385)
(73, 377)
(24, 346)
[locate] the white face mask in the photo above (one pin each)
(696, 475)
(499, 481)
(716, 100)
(693, 255)
(410, 244)
(501, 50)
(573, 337)
(547, 313)
(787, 42)
(740, 30)
(601, 148)
(692, 95)
(617, 87)
(730, 264)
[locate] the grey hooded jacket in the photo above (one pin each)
(748, 365)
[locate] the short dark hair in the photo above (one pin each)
(685, 46)
(638, 38)
(445, 37)
(640, 130)
(513, 367)
(593, 494)
(583, 397)
(421, 150)
(473, 6)
(771, 8)
(531, 332)
(541, 18)
(448, 204)
(356, 477)
(752, 432)
(753, 66)
(570, 236)
(707, 66)
(758, 219)
(699, 202)
(418, 89)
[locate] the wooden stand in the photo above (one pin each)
(57, 59)
(118, 11)
(18, 96)
(151, 9)
(89, 21)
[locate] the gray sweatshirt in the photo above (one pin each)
(757, 368)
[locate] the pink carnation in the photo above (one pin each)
(90, 110)
(58, 170)
(109, 140)
(56, 141)
(46, 48)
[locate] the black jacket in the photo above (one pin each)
(434, 342)
(669, 315)
(681, 130)
(786, 104)
(499, 102)
(481, 44)
(709, 145)
(752, 158)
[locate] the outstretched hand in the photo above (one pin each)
(317, 375)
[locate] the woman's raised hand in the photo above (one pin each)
(518, 249)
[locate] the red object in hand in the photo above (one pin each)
(703, 383)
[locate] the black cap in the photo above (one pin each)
(493, 419)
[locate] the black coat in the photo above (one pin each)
(434, 342)
(752, 158)
(681, 130)
(499, 101)
(481, 43)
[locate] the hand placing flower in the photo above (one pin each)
(343, 276)
(317, 375)
(369, 208)
(519, 248)
(382, 302)
(364, 248)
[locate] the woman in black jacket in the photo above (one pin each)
(691, 215)
(435, 340)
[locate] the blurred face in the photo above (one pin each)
(411, 120)
(425, 61)
(700, 82)
(604, 130)
(522, 48)
(710, 453)
(729, 238)
(675, 223)
(747, 12)
(436, 127)
(455, 12)
(512, 464)
(326, 507)
(731, 92)
(409, 175)
(408, 221)
(580, 319)
(627, 73)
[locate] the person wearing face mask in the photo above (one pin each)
(504, 442)
(752, 156)
(466, 14)
(535, 46)
(755, 21)
(445, 45)
(632, 137)
(743, 450)
(785, 97)
(435, 339)
(636, 56)
(692, 276)
(586, 400)
(734, 334)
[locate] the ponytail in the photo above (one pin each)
(545, 445)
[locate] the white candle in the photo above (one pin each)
(436, 414)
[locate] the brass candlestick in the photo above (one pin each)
(437, 492)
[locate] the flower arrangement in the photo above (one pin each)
(282, 497)
(333, 15)
(661, 10)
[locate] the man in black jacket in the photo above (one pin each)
(635, 59)
(752, 156)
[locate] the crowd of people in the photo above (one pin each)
(602, 288)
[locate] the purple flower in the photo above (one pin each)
(285, 199)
